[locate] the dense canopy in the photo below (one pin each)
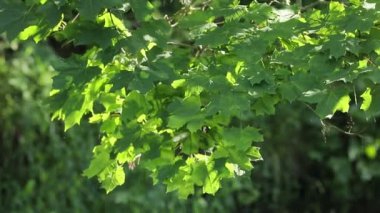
(177, 87)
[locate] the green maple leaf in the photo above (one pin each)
(98, 164)
(254, 153)
(374, 105)
(13, 19)
(181, 182)
(240, 158)
(111, 177)
(219, 36)
(184, 111)
(73, 71)
(241, 138)
(336, 45)
(335, 100)
(83, 34)
(142, 9)
(134, 105)
(265, 105)
(289, 91)
(212, 183)
(229, 104)
(185, 190)
(320, 65)
(89, 9)
(71, 110)
(199, 172)
(191, 145)
(109, 126)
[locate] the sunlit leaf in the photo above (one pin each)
(367, 99)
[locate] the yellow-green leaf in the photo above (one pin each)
(28, 32)
(343, 104)
(367, 99)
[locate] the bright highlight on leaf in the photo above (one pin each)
(212, 183)
(367, 99)
(231, 78)
(363, 63)
(336, 100)
(343, 104)
(336, 7)
(28, 32)
(371, 150)
(178, 83)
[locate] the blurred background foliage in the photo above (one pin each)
(309, 165)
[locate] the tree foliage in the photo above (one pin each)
(178, 92)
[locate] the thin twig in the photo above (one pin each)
(343, 131)
(180, 44)
(75, 18)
